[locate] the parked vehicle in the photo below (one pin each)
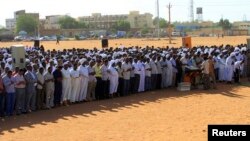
(19, 38)
(113, 36)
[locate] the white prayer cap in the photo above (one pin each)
(206, 50)
(217, 50)
(9, 60)
(199, 50)
(27, 60)
(211, 50)
(82, 60)
(244, 49)
(103, 55)
(185, 49)
(66, 63)
(168, 55)
(224, 51)
(183, 55)
(236, 49)
(232, 54)
(87, 55)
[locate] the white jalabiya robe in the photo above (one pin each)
(142, 77)
(164, 74)
(84, 78)
(169, 74)
(114, 80)
(229, 69)
(66, 85)
(222, 69)
(75, 83)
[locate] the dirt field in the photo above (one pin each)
(166, 115)
(177, 42)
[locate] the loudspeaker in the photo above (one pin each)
(187, 42)
(36, 43)
(248, 43)
(18, 55)
(105, 43)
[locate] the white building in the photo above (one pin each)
(10, 24)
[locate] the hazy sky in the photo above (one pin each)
(212, 9)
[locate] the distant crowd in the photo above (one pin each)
(60, 78)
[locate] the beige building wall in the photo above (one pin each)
(241, 25)
(138, 20)
(135, 19)
(96, 20)
(52, 22)
(206, 24)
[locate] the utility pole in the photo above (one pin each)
(158, 19)
(169, 22)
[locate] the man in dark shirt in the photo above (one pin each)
(58, 85)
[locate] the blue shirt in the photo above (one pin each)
(9, 84)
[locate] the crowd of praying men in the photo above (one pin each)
(55, 78)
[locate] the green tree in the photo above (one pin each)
(3, 29)
(68, 22)
(122, 26)
(225, 24)
(145, 30)
(26, 23)
(162, 22)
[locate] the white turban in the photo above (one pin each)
(9, 60)
(168, 55)
(232, 54)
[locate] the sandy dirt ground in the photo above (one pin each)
(177, 42)
(166, 115)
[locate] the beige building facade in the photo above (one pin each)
(52, 22)
(136, 20)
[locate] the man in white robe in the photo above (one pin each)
(230, 67)
(164, 72)
(222, 65)
(169, 71)
(113, 79)
(137, 73)
(66, 84)
(75, 84)
(142, 77)
(84, 76)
